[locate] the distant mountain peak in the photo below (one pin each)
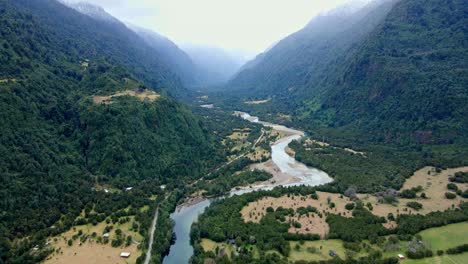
(92, 10)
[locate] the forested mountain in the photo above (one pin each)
(172, 55)
(393, 71)
(93, 11)
(304, 55)
(96, 38)
(62, 139)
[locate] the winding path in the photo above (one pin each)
(153, 227)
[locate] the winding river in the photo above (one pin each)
(286, 172)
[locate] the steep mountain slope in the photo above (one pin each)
(93, 11)
(395, 71)
(304, 56)
(172, 55)
(409, 79)
(113, 40)
(62, 139)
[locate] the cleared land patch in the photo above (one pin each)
(310, 224)
(141, 95)
(89, 250)
(433, 184)
(257, 102)
(7, 80)
(223, 248)
(316, 250)
(312, 143)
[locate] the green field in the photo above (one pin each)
(446, 237)
(321, 253)
(439, 238)
(445, 259)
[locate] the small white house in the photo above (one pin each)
(125, 254)
(401, 256)
(106, 235)
(128, 189)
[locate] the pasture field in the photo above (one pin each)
(445, 259)
(316, 250)
(445, 237)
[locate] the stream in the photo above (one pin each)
(286, 172)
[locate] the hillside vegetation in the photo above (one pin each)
(60, 150)
(393, 72)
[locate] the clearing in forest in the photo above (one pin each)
(90, 251)
(257, 102)
(141, 95)
(434, 185)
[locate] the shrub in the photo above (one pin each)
(297, 224)
(349, 206)
(450, 195)
(314, 196)
(424, 253)
(458, 250)
(465, 194)
(389, 199)
(414, 205)
(452, 187)
(312, 249)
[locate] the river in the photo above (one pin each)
(286, 172)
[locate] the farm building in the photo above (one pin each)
(125, 254)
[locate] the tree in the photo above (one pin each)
(450, 195)
(349, 206)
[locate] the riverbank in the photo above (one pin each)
(285, 169)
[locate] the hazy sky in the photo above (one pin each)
(250, 25)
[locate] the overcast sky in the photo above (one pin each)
(249, 25)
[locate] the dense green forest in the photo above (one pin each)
(76, 35)
(59, 149)
(389, 80)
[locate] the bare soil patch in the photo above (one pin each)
(141, 95)
(258, 102)
(311, 224)
(434, 185)
(90, 251)
(7, 80)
